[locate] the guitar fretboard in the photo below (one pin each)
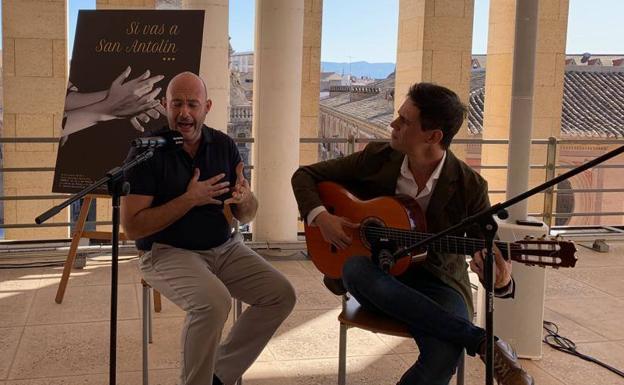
(447, 244)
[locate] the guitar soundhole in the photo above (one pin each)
(365, 228)
(333, 249)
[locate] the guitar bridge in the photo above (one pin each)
(418, 258)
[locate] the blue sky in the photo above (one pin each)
(365, 30)
(355, 30)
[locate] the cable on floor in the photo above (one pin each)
(566, 345)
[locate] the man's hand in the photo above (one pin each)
(332, 229)
(204, 192)
(503, 267)
(241, 192)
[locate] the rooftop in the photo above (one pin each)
(593, 102)
(377, 108)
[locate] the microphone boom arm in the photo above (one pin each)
(111, 174)
(499, 208)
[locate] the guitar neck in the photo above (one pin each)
(446, 244)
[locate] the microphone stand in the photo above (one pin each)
(486, 222)
(117, 187)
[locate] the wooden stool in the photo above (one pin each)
(354, 315)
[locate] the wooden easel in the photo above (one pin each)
(102, 235)
(76, 236)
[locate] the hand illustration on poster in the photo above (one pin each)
(133, 99)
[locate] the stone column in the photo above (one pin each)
(435, 45)
(497, 108)
(214, 58)
(548, 87)
(519, 320)
(34, 76)
(311, 79)
(277, 115)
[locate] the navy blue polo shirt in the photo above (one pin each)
(166, 175)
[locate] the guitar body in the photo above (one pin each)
(399, 212)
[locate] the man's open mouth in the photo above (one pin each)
(185, 125)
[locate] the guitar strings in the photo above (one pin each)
(455, 241)
(459, 245)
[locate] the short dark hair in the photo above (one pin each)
(440, 109)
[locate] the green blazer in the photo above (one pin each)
(373, 172)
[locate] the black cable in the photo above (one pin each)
(558, 342)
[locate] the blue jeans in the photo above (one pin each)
(435, 313)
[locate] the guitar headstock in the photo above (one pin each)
(544, 251)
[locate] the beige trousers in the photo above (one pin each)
(203, 283)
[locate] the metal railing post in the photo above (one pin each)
(350, 145)
(549, 195)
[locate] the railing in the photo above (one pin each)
(550, 166)
(241, 114)
(356, 89)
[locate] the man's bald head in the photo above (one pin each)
(186, 81)
(187, 105)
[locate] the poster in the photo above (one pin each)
(121, 64)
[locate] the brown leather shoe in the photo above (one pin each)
(507, 370)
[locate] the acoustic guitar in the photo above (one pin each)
(398, 220)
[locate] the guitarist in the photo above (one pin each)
(434, 298)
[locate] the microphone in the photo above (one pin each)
(168, 139)
(385, 260)
(383, 253)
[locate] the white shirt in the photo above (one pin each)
(406, 185)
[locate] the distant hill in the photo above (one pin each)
(360, 68)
